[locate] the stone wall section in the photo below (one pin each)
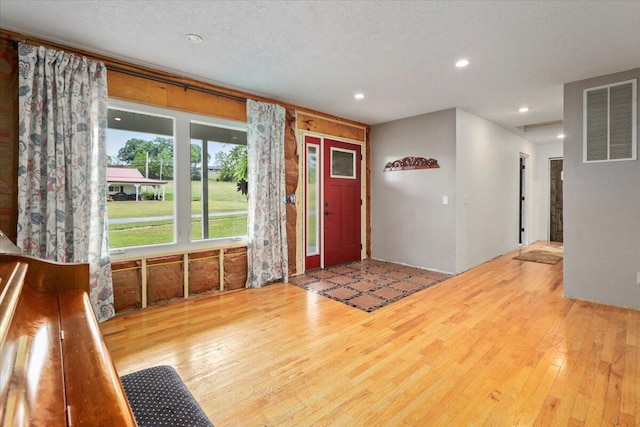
(291, 183)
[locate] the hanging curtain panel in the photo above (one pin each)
(62, 164)
(267, 247)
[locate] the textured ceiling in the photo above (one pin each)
(401, 55)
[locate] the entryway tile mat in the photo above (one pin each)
(368, 285)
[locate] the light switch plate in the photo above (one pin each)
(445, 200)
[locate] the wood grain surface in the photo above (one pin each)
(497, 345)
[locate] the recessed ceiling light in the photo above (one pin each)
(359, 96)
(523, 109)
(117, 119)
(194, 38)
(462, 63)
(561, 136)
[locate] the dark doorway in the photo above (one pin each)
(556, 200)
(522, 227)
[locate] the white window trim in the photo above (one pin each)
(182, 197)
(634, 122)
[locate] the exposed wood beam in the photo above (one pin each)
(535, 126)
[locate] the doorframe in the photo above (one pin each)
(303, 191)
(548, 213)
(523, 204)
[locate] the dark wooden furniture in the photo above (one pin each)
(55, 369)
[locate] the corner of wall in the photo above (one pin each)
(601, 212)
(487, 186)
(410, 223)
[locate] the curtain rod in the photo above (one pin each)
(122, 66)
(116, 65)
(151, 76)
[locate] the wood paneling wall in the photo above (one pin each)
(315, 124)
(152, 87)
(185, 98)
(367, 178)
(8, 138)
(291, 183)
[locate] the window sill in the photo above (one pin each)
(155, 251)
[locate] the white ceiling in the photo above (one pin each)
(401, 55)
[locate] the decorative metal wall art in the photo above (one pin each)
(411, 163)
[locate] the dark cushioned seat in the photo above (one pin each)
(158, 397)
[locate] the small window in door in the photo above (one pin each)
(343, 163)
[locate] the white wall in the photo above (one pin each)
(545, 152)
(479, 160)
(601, 211)
(409, 223)
(487, 186)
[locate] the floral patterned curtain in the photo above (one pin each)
(267, 248)
(62, 164)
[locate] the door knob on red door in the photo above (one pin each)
(328, 213)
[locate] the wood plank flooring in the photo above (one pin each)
(497, 346)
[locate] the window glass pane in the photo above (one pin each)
(218, 182)
(140, 168)
(342, 163)
(596, 117)
(621, 121)
(312, 200)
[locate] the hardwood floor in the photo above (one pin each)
(497, 345)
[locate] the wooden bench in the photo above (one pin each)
(56, 369)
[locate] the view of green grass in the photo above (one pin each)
(221, 226)
(223, 197)
(141, 209)
(139, 234)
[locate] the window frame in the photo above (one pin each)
(343, 150)
(225, 125)
(634, 121)
(182, 183)
(316, 199)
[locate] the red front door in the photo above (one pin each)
(341, 206)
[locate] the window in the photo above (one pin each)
(218, 181)
(343, 163)
(610, 122)
(313, 200)
(165, 174)
(140, 177)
